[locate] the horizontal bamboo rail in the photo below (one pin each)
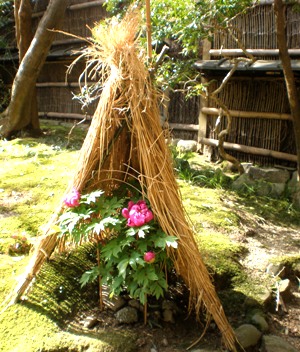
(183, 127)
(250, 150)
(64, 115)
(255, 52)
(57, 85)
(62, 84)
(68, 41)
(249, 114)
(84, 5)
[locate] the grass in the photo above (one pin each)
(33, 177)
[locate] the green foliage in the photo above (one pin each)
(121, 247)
(203, 177)
(182, 25)
(20, 246)
(6, 16)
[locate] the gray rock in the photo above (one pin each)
(187, 146)
(90, 322)
(243, 182)
(271, 343)
(272, 175)
(114, 303)
(174, 141)
(296, 199)
(248, 335)
(166, 304)
(268, 189)
(293, 183)
(127, 315)
(296, 269)
(262, 298)
(285, 288)
(258, 319)
(274, 269)
(246, 166)
(168, 316)
(164, 342)
(136, 304)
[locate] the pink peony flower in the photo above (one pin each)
(72, 199)
(149, 257)
(137, 214)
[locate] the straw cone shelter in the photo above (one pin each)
(125, 141)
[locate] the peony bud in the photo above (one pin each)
(72, 199)
(149, 257)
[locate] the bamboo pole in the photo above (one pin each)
(84, 5)
(250, 114)
(148, 25)
(183, 127)
(59, 84)
(255, 52)
(68, 41)
(65, 115)
(250, 150)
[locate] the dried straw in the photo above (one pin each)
(126, 140)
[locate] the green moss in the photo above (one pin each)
(289, 262)
(33, 177)
(40, 322)
(27, 330)
(205, 208)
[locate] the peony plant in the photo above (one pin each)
(132, 248)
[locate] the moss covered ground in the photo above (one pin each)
(33, 177)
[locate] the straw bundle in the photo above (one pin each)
(125, 141)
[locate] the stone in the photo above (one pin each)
(263, 298)
(127, 315)
(166, 304)
(174, 141)
(136, 304)
(296, 199)
(228, 166)
(268, 189)
(168, 316)
(114, 303)
(293, 183)
(296, 270)
(271, 343)
(274, 269)
(164, 342)
(248, 335)
(90, 322)
(285, 289)
(247, 167)
(242, 182)
(258, 319)
(185, 146)
(272, 175)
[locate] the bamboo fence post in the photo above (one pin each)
(202, 119)
(148, 24)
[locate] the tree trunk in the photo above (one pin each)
(289, 77)
(18, 114)
(24, 36)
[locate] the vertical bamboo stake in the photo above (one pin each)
(145, 310)
(148, 26)
(100, 284)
